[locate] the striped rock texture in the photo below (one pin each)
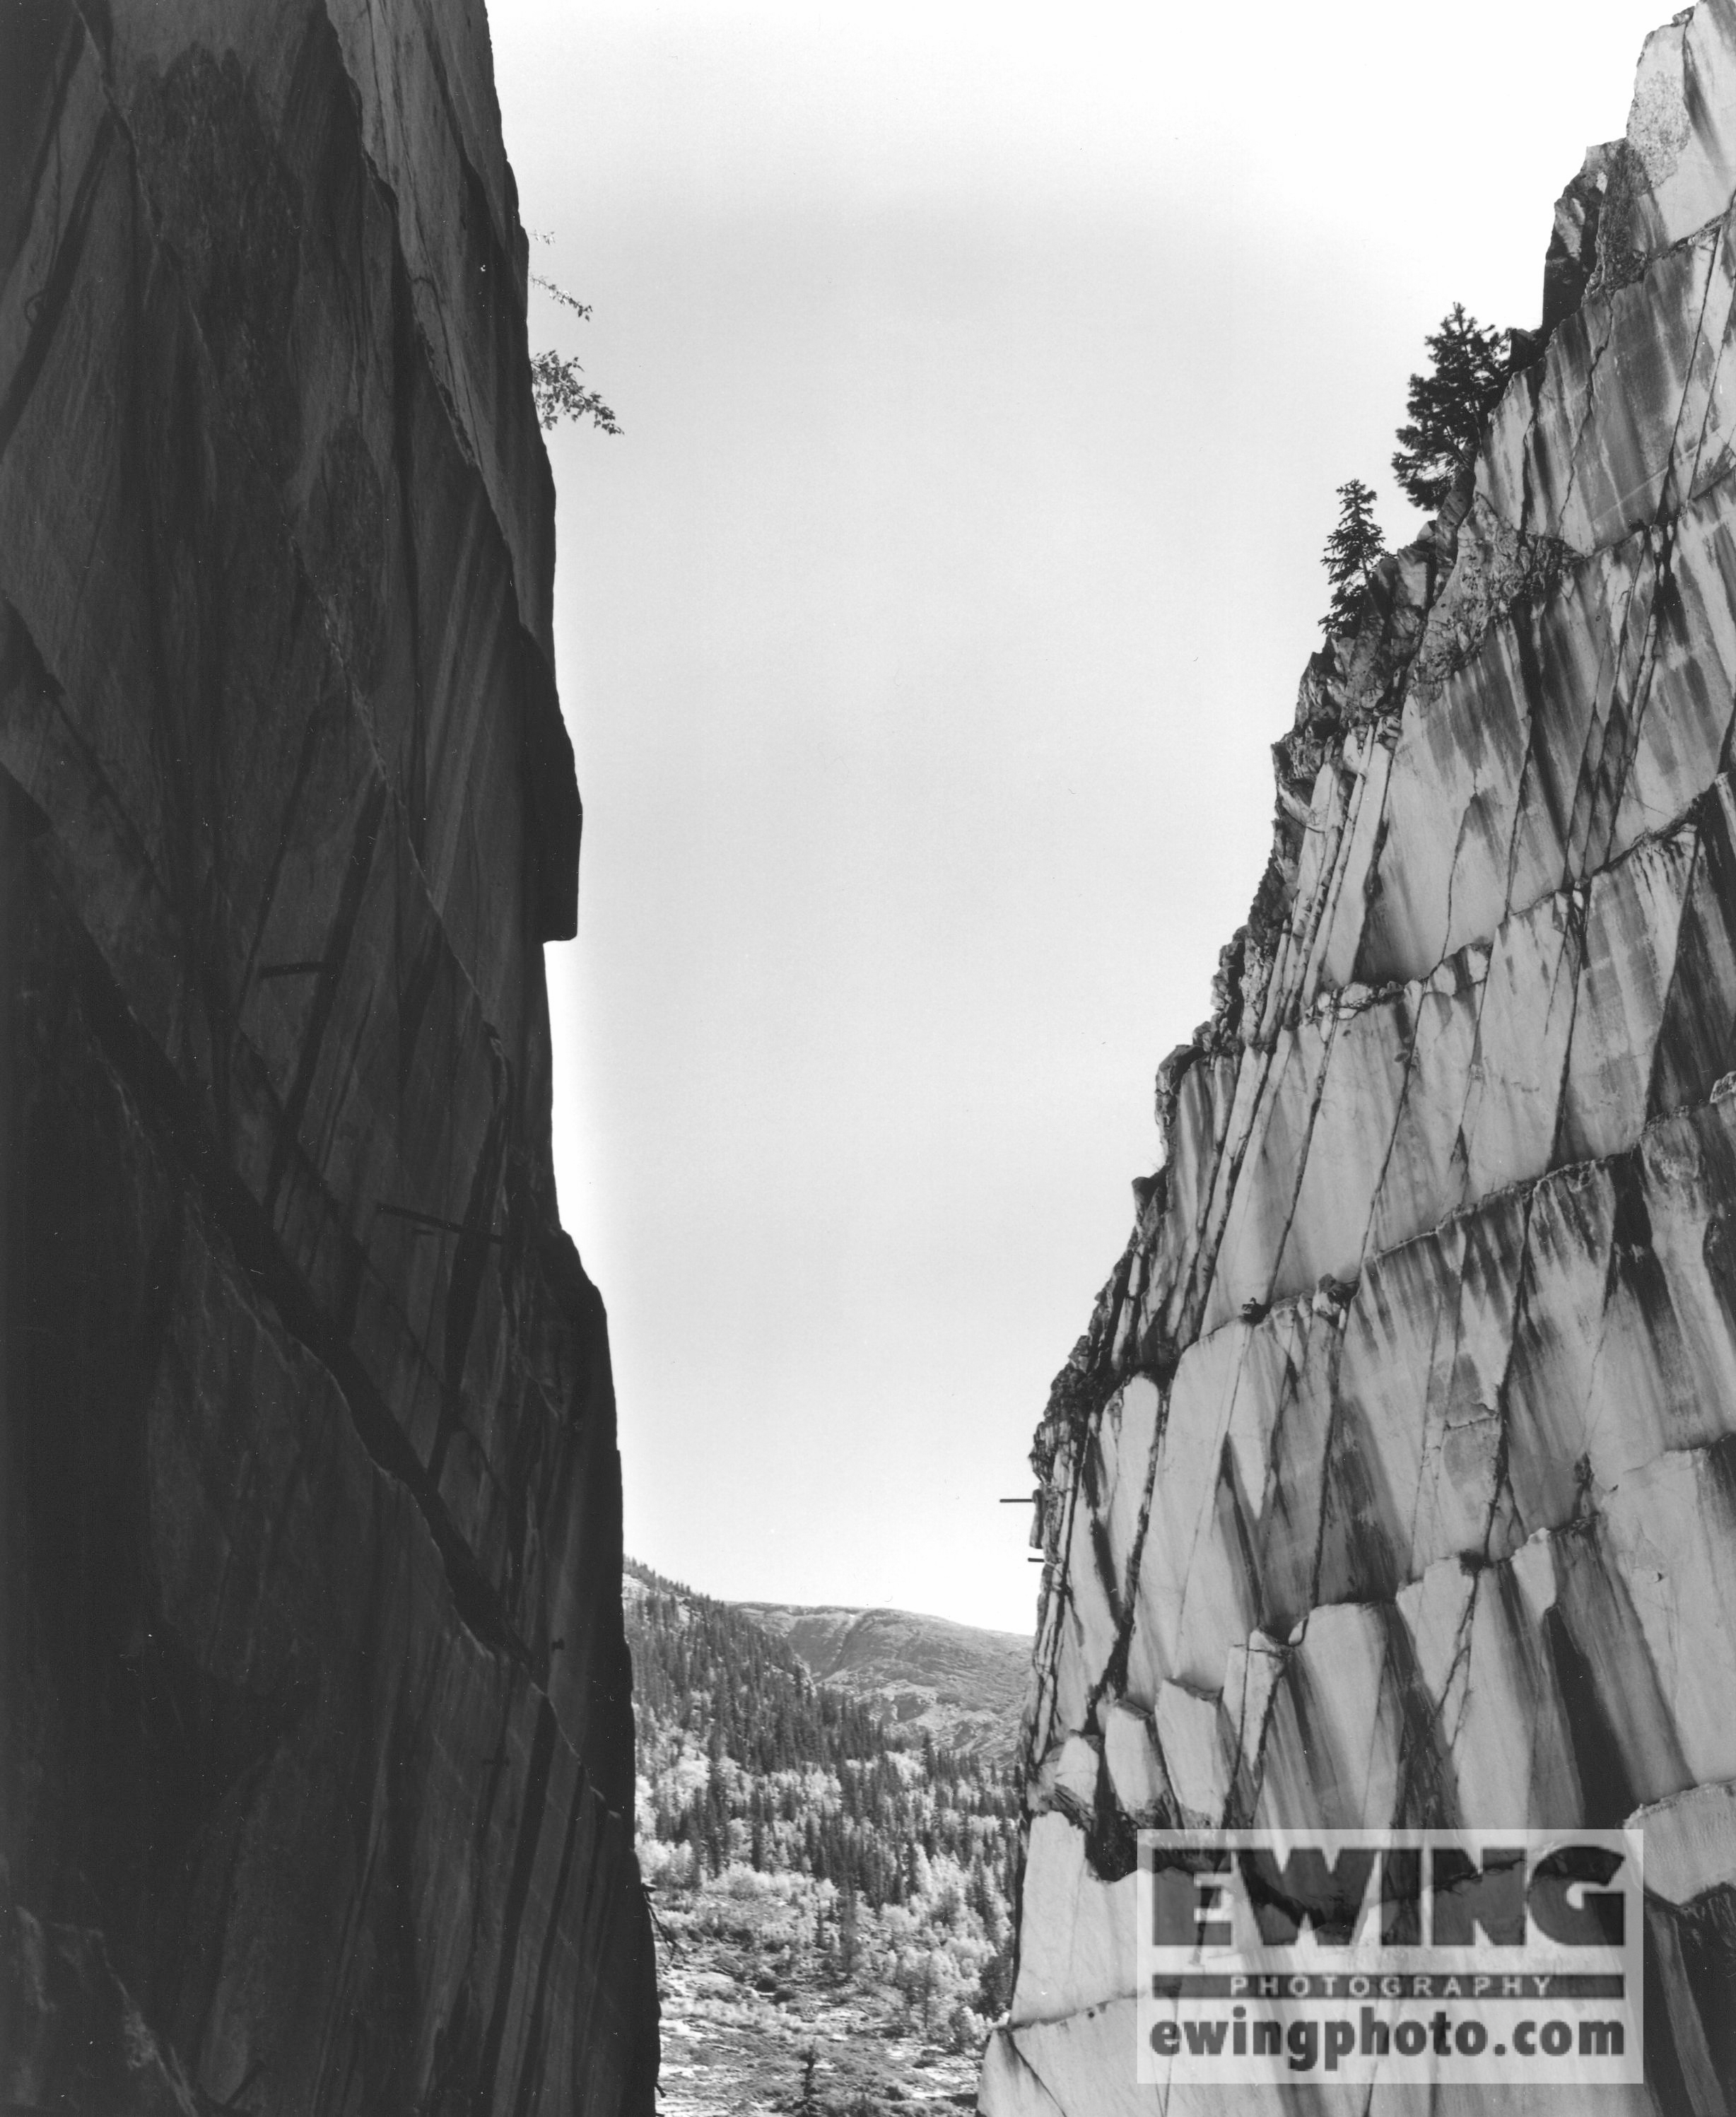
(1395, 1478)
(316, 1751)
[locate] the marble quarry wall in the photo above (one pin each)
(315, 1748)
(1394, 1481)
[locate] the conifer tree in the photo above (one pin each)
(1448, 405)
(1351, 554)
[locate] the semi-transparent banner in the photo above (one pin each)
(1466, 1957)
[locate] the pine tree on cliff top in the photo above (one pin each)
(1448, 406)
(1351, 554)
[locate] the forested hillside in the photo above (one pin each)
(966, 1685)
(810, 1852)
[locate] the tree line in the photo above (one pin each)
(798, 1774)
(1447, 409)
(903, 1853)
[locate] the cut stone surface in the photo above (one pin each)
(1691, 1843)
(315, 1743)
(1085, 1948)
(1137, 1772)
(1432, 1307)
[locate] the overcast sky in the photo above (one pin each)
(986, 377)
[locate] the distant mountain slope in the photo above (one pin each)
(965, 1686)
(826, 1880)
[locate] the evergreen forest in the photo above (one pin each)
(829, 1849)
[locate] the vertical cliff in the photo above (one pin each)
(315, 1752)
(1394, 1481)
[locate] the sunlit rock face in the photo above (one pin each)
(314, 1704)
(1394, 1481)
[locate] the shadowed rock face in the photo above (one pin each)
(1395, 1478)
(314, 1703)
